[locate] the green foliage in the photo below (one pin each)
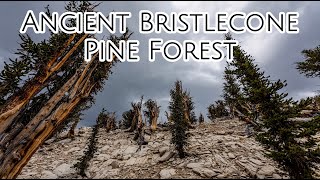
(310, 67)
(282, 136)
(107, 120)
(217, 110)
(83, 162)
(103, 117)
(32, 61)
(231, 91)
(179, 125)
(127, 118)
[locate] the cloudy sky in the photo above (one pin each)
(275, 53)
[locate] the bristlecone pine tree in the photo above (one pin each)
(189, 108)
(45, 85)
(152, 113)
(280, 135)
(217, 110)
(179, 124)
(137, 116)
(112, 122)
(201, 118)
(107, 120)
(137, 124)
(127, 118)
(231, 91)
(310, 67)
(83, 162)
(71, 121)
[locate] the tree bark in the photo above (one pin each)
(25, 144)
(154, 123)
(110, 122)
(13, 106)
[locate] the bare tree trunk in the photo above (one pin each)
(13, 106)
(154, 123)
(140, 131)
(187, 117)
(26, 142)
(110, 122)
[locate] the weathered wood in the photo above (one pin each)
(50, 116)
(37, 130)
(37, 125)
(47, 108)
(154, 123)
(13, 106)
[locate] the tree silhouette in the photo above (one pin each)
(179, 124)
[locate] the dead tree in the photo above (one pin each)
(152, 113)
(187, 111)
(137, 116)
(137, 124)
(111, 122)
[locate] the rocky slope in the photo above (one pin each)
(216, 150)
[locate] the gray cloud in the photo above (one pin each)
(275, 53)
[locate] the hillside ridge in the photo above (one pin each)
(216, 150)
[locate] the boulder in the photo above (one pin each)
(276, 176)
(204, 172)
(113, 172)
(255, 161)
(231, 156)
(194, 165)
(105, 148)
(103, 157)
(166, 156)
(143, 151)
(130, 150)
(114, 164)
(142, 160)
(248, 168)
(166, 142)
(266, 170)
(167, 173)
(48, 175)
(63, 169)
(220, 158)
(163, 149)
(131, 162)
